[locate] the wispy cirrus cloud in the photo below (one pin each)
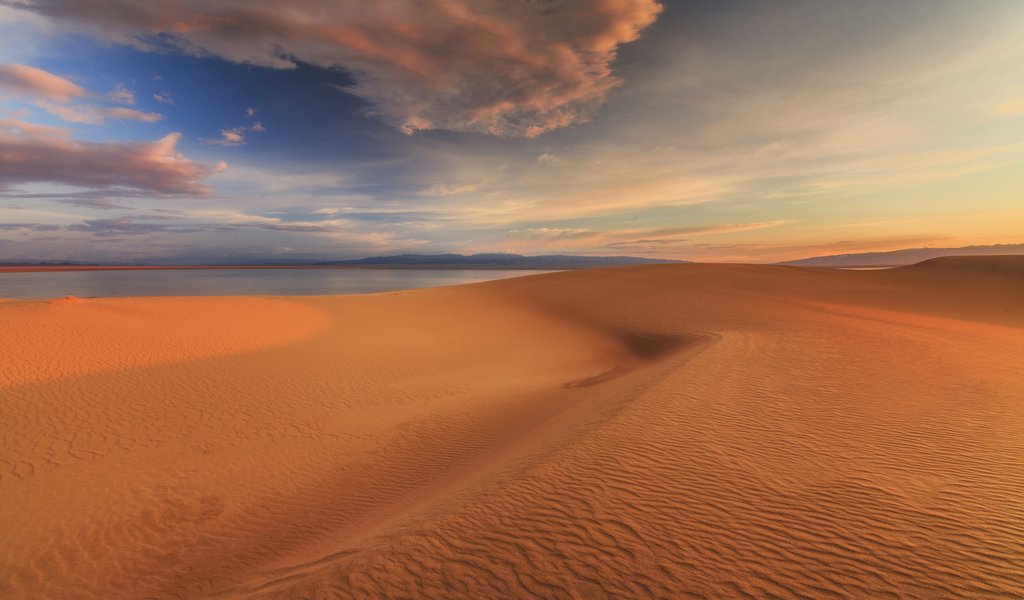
(29, 227)
(650, 240)
(82, 198)
(450, 189)
(124, 226)
(152, 234)
(98, 202)
(92, 115)
(500, 68)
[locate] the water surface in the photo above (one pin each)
(235, 282)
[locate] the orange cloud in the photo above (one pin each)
(235, 136)
(34, 153)
(53, 93)
(30, 81)
(500, 68)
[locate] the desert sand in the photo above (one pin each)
(680, 431)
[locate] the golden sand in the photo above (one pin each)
(719, 431)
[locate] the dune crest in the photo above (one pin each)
(666, 431)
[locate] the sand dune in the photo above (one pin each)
(679, 431)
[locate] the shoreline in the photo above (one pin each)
(57, 268)
(188, 282)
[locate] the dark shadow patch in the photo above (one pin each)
(642, 349)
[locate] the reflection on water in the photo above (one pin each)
(235, 282)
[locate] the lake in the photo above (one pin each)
(235, 282)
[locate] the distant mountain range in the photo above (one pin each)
(498, 261)
(898, 258)
(401, 261)
(894, 258)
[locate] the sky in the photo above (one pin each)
(714, 130)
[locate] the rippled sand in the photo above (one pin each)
(705, 431)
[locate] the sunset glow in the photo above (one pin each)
(736, 131)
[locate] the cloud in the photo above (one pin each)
(179, 224)
(94, 202)
(121, 95)
(28, 227)
(585, 239)
(33, 130)
(235, 136)
(37, 83)
(555, 232)
(711, 229)
(164, 98)
(450, 189)
(34, 153)
(229, 137)
(121, 226)
(224, 222)
(53, 94)
(88, 199)
(250, 112)
(93, 115)
(646, 244)
(501, 68)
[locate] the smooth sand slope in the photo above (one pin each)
(717, 431)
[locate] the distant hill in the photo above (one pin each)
(497, 261)
(898, 258)
(401, 261)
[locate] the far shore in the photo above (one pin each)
(55, 268)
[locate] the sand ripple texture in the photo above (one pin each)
(681, 431)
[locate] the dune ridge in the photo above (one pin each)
(663, 431)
